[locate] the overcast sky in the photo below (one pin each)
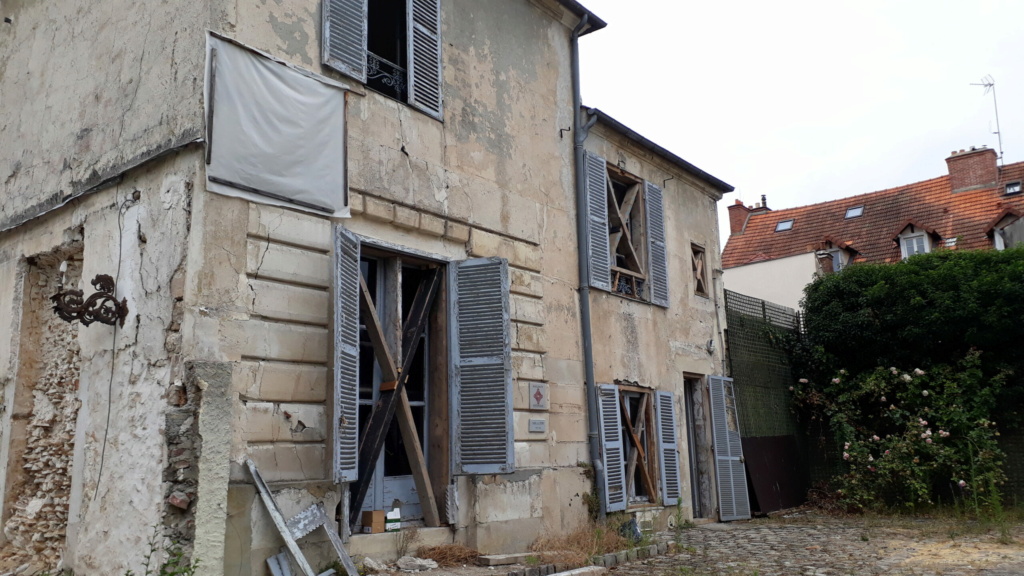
(810, 101)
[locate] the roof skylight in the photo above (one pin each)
(1013, 188)
(855, 211)
(784, 225)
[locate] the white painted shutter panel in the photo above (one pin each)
(598, 245)
(668, 449)
(344, 42)
(656, 249)
(424, 41)
(481, 366)
(613, 448)
(733, 501)
(346, 355)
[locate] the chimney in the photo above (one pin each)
(972, 169)
(738, 217)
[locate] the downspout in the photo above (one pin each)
(580, 131)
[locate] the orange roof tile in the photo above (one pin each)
(931, 204)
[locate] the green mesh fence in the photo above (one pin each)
(759, 365)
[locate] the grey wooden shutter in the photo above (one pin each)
(733, 502)
(424, 43)
(481, 366)
(344, 41)
(656, 249)
(346, 355)
(668, 449)
(598, 245)
(613, 448)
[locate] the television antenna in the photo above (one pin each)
(989, 84)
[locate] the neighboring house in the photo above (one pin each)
(773, 254)
(378, 209)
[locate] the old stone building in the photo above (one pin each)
(332, 229)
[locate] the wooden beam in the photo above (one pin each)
(645, 474)
(392, 391)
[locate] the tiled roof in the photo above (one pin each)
(966, 216)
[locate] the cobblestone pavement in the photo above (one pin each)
(829, 546)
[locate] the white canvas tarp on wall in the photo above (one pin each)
(275, 133)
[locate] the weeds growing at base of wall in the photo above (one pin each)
(175, 561)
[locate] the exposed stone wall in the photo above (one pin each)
(45, 406)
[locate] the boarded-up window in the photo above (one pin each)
(626, 227)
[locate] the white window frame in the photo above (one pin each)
(855, 212)
(785, 225)
(1012, 188)
(906, 238)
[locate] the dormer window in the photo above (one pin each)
(1013, 188)
(913, 244)
(854, 212)
(784, 225)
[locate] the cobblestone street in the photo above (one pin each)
(828, 546)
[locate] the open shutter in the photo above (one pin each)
(656, 250)
(481, 366)
(613, 448)
(668, 449)
(733, 501)
(346, 355)
(344, 43)
(598, 246)
(425, 56)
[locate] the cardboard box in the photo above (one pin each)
(373, 522)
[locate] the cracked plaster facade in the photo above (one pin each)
(227, 342)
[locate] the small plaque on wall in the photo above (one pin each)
(538, 425)
(539, 399)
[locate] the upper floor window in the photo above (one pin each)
(913, 244)
(855, 212)
(1013, 188)
(784, 225)
(392, 46)
(626, 233)
(838, 262)
(700, 283)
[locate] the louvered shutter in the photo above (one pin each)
(481, 366)
(656, 250)
(425, 56)
(346, 355)
(734, 504)
(598, 245)
(613, 448)
(344, 42)
(668, 449)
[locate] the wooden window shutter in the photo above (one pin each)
(424, 44)
(656, 249)
(344, 40)
(598, 245)
(481, 366)
(668, 448)
(346, 355)
(733, 501)
(612, 447)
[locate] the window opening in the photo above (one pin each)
(640, 456)
(627, 235)
(784, 225)
(1012, 188)
(913, 245)
(386, 47)
(698, 266)
(854, 212)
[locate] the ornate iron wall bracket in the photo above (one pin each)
(101, 307)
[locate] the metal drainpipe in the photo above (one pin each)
(580, 131)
